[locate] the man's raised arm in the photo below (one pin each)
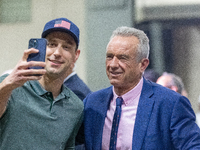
(18, 77)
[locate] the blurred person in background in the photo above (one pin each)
(172, 82)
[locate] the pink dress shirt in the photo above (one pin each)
(127, 120)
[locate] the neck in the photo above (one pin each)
(121, 90)
(52, 85)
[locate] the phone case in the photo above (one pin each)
(40, 44)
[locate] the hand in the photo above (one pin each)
(21, 73)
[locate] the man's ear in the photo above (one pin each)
(174, 88)
(77, 53)
(144, 64)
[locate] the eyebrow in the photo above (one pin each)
(118, 55)
(66, 41)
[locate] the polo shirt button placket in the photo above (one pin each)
(50, 98)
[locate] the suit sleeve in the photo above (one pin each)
(185, 132)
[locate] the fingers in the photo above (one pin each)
(23, 64)
(27, 52)
(26, 65)
(31, 73)
(22, 69)
(21, 73)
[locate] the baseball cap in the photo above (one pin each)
(63, 25)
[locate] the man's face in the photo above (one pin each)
(61, 53)
(122, 67)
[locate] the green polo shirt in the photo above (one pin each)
(35, 121)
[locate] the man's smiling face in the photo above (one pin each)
(61, 53)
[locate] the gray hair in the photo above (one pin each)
(175, 81)
(143, 46)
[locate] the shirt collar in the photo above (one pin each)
(73, 73)
(132, 94)
(36, 86)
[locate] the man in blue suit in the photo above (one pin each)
(74, 83)
(150, 116)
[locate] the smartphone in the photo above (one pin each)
(40, 44)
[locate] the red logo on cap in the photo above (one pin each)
(64, 24)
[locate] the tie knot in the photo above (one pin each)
(119, 101)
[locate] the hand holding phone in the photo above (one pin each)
(40, 44)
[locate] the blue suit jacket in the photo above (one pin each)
(77, 85)
(164, 120)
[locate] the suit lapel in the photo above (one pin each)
(105, 100)
(100, 116)
(144, 111)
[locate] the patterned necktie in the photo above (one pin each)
(115, 124)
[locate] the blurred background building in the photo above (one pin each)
(172, 26)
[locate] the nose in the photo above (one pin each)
(114, 62)
(58, 51)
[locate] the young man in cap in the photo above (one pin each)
(39, 112)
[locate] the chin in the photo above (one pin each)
(52, 71)
(115, 83)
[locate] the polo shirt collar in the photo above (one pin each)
(36, 86)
